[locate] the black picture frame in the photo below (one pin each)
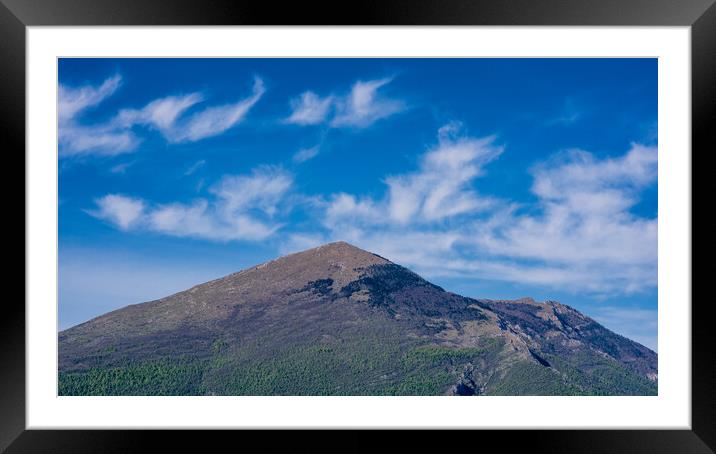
(16, 15)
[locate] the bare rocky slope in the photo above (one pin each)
(337, 320)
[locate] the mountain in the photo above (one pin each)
(337, 320)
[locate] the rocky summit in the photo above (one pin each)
(338, 320)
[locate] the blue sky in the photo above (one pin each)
(495, 178)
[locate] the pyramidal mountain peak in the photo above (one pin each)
(339, 259)
(337, 319)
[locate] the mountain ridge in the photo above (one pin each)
(351, 314)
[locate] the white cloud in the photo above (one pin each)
(580, 235)
(440, 189)
(77, 139)
(121, 168)
(202, 220)
(594, 278)
(161, 113)
(345, 208)
(362, 106)
(263, 189)
(243, 207)
(309, 109)
(305, 154)
(216, 120)
(585, 213)
(168, 115)
(122, 211)
(102, 141)
(579, 170)
(194, 167)
(179, 219)
(72, 101)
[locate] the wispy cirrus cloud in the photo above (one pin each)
(441, 187)
(309, 109)
(168, 115)
(362, 106)
(78, 139)
(122, 167)
(585, 213)
(343, 209)
(579, 235)
(97, 140)
(241, 207)
(438, 190)
(160, 114)
(74, 100)
(217, 119)
(306, 154)
(194, 167)
(124, 212)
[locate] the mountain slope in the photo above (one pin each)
(340, 320)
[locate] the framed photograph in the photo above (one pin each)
(244, 217)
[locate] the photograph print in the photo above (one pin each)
(357, 226)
